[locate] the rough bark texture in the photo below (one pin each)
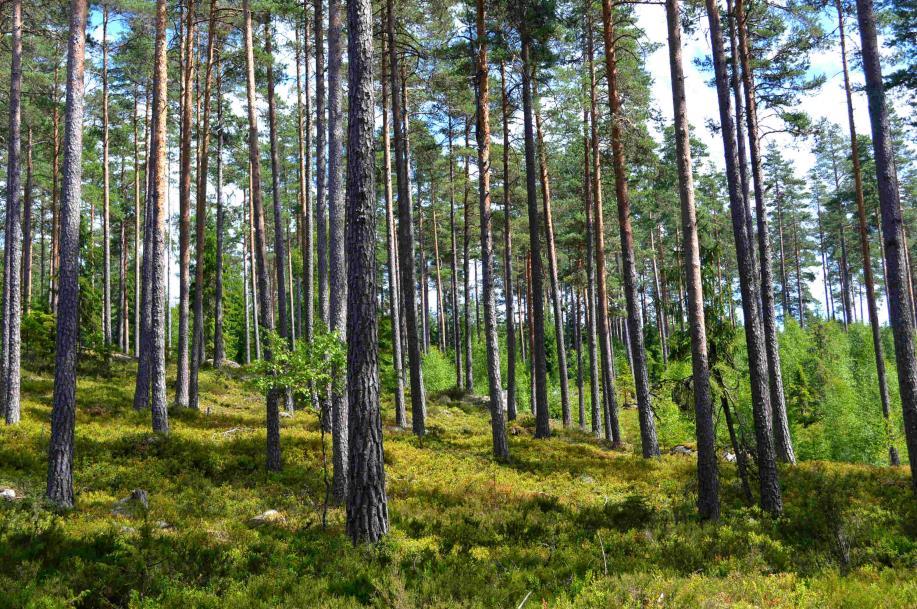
(594, 391)
(609, 400)
(649, 442)
(336, 260)
(392, 256)
(106, 190)
(508, 257)
(12, 304)
(367, 509)
(266, 310)
(497, 412)
(707, 476)
(63, 414)
(321, 168)
(892, 229)
(771, 500)
(552, 270)
(466, 270)
(304, 136)
(782, 440)
(540, 384)
(864, 243)
(406, 237)
(200, 216)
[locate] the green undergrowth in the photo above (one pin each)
(568, 522)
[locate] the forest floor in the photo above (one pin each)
(567, 523)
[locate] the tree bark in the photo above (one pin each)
(508, 256)
(466, 269)
(864, 243)
(321, 170)
(367, 511)
(336, 259)
(497, 412)
(106, 190)
(589, 205)
(392, 256)
(406, 237)
(219, 353)
(440, 308)
(456, 331)
(707, 475)
(10, 380)
(200, 216)
(892, 224)
(771, 500)
(539, 376)
(649, 442)
(63, 414)
(552, 269)
(260, 247)
(304, 134)
(782, 440)
(27, 227)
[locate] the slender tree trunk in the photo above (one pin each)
(63, 414)
(658, 300)
(321, 170)
(707, 475)
(27, 227)
(123, 325)
(54, 271)
(13, 238)
(260, 247)
(304, 135)
(609, 400)
(892, 224)
(200, 216)
(456, 332)
(106, 190)
(648, 439)
(864, 242)
(440, 308)
(245, 289)
(184, 203)
(392, 256)
(782, 439)
(219, 353)
(588, 194)
(367, 511)
(336, 257)
(800, 305)
(406, 236)
(508, 256)
(138, 280)
(497, 413)
(578, 339)
(466, 270)
(539, 377)
(552, 269)
(739, 113)
(771, 500)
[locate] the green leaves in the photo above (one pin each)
(303, 367)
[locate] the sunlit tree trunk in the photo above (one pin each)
(508, 256)
(321, 169)
(771, 500)
(649, 443)
(456, 331)
(219, 353)
(466, 267)
(266, 313)
(304, 136)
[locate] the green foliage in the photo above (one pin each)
(319, 363)
(39, 330)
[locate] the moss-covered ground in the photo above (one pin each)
(568, 523)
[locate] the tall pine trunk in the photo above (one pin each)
(304, 137)
(649, 442)
(864, 242)
(106, 190)
(508, 256)
(63, 413)
(497, 412)
(407, 273)
(367, 511)
(707, 476)
(781, 428)
(219, 353)
(266, 309)
(336, 261)
(771, 500)
(892, 228)
(321, 168)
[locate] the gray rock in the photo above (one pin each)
(729, 457)
(137, 501)
(8, 494)
(681, 449)
(267, 517)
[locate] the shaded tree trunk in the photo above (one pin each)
(406, 237)
(106, 190)
(536, 308)
(321, 132)
(367, 511)
(466, 270)
(456, 332)
(304, 136)
(892, 224)
(219, 353)
(590, 277)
